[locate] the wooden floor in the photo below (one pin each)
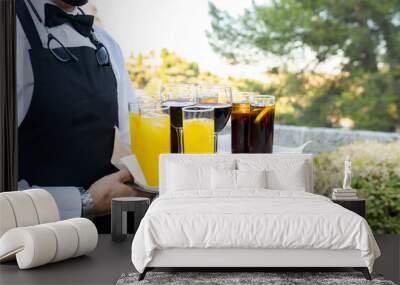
(106, 264)
(103, 266)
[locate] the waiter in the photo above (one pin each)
(72, 89)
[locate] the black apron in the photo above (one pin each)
(67, 136)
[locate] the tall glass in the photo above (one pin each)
(198, 129)
(262, 114)
(177, 96)
(240, 122)
(219, 98)
(150, 137)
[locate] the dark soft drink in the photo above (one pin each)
(222, 113)
(175, 111)
(240, 127)
(261, 136)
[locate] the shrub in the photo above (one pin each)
(376, 175)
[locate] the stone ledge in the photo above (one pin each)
(323, 139)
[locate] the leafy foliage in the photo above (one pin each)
(364, 34)
(376, 175)
(168, 67)
(303, 99)
(150, 71)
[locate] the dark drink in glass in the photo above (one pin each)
(218, 97)
(240, 127)
(262, 114)
(175, 109)
(177, 96)
(222, 113)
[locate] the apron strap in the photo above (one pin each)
(28, 25)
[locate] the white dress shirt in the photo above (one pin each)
(69, 37)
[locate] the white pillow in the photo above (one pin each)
(26, 208)
(67, 239)
(192, 174)
(293, 180)
(282, 174)
(226, 179)
(7, 217)
(223, 179)
(188, 177)
(45, 205)
(251, 178)
(87, 235)
(23, 208)
(33, 246)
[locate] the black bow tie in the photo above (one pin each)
(55, 17)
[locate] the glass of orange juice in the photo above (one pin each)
(198, 129)
(150, 137)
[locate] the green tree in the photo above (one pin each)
(172, 68)
(140, 68)
(364, 33)
(150, 71)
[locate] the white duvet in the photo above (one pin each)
(250, 219)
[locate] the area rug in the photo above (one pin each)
(244, 278)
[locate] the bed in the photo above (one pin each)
(246, 211)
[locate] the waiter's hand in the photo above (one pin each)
(108, 187)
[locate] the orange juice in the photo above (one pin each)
(198, 135)
(150, 136)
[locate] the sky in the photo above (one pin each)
(178, 25)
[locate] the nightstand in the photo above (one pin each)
(119, 208)
(356, 206)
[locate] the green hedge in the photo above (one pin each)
(376, 174)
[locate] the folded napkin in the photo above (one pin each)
(119, 151)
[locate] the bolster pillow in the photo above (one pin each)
(26, 208)
(40, 244)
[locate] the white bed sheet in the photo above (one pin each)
(252, 218)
